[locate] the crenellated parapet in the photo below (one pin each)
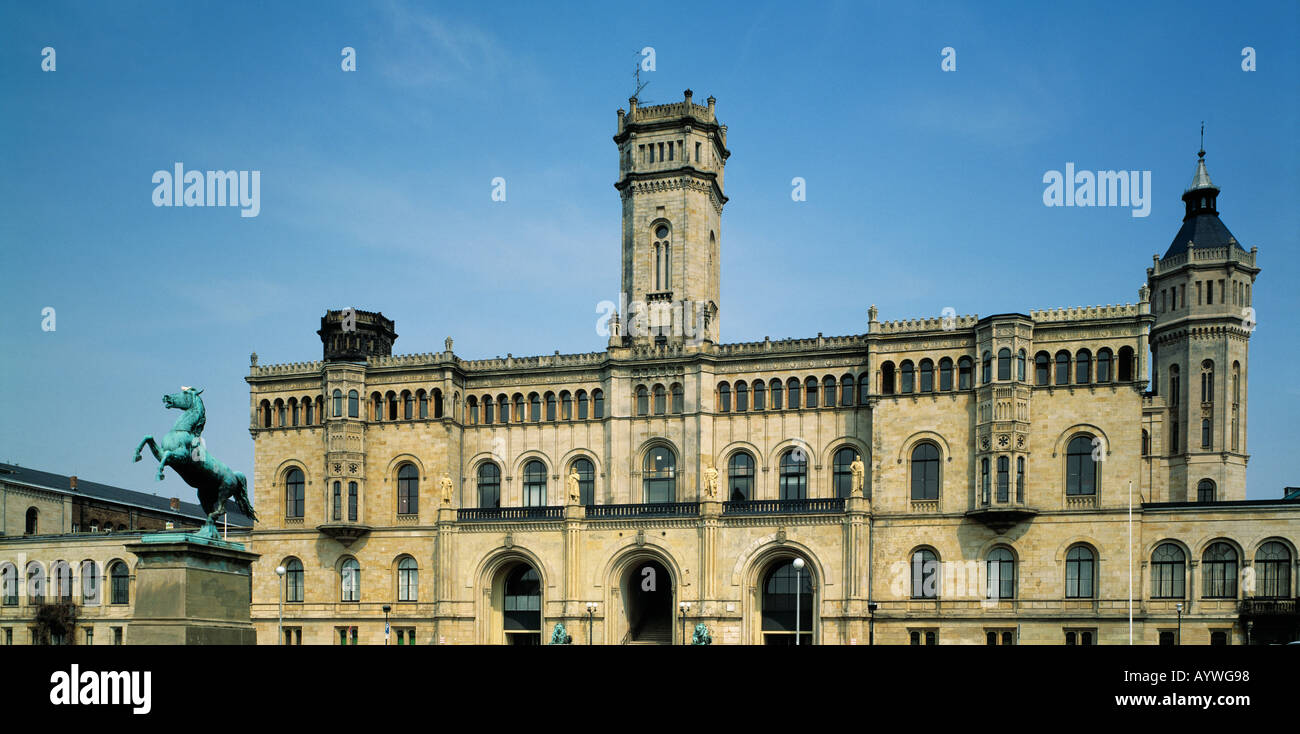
(1086, 313)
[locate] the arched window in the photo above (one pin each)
(471, 410)
(842, 472)
(724, 397)
(1001, 574)
(643, 399)
(279, 413)
(534, 407)
(423, 400)
(1062, 367)
(1104, 359)
(964, 367)
(760, 394)
(846, 391)
(408, 405)
(1082, 367)
(597, 403)
(392, 405)
(35, 583)
(32, 524)
(810, 388)
(119, 580)
(1080, 571)
(350, 580)
(294, 493)
(1080, 469)
(489, 485)
(1220, 564)
(986, 372)
(582, 405)
(293, 581)
(376, 406)
(1168, 572)
(1004, 364)
(408, 580)
(293, 411)
(1020, 365)
(534, 484)
(1020, 479)
(945, 373)
(1207, 382)
(338, 501)
(1125, 364)
(925, 471)
(1042, 369)
(352, 501)
(828, 392)
(677, 396)
(503, 408)
(907, 377)
(1004, 479)
(925, 574)
(1273, 571)
(792, 387)
(8, 585)
(90, 582)
(1205, 490)
(408, 490)
(794, 474)
(927, 375)
(489, 409)
(264, 412)
(586, 481)
(437, 403)
(740, 477)
(338, 405)
(985, 481)
(63, 581)
(778, 391)
(523, 606)
(887, 378)
(787, 592)
(353, 406)
(1206, 433)
(566, 406)
(660, 475)
(550, 406)
(742, 396)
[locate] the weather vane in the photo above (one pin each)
(639, 84)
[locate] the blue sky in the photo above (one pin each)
(924, 188)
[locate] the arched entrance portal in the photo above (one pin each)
(520, 596)
(787, 603)
(648, 601)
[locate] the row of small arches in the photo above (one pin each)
(1081, 368)
(778, 395)
(59, 582)
(537, 407)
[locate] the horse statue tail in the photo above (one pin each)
(241, 497)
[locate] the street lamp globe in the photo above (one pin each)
(798, 564)
(280, 571)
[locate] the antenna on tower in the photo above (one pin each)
(639, 84)
(1202, 138)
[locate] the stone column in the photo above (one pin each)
(191, 591)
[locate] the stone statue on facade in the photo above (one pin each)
(859, 471)
(184, 451)
(575, 492)
(559, 636)
(701, 636)
(444, 488)
(710, 482)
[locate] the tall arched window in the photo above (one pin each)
(376, 406)
(294, 493)
(1080, 469)
(1004, 479)
(1001, 574)
(945, 373)
(742, 396)
(925, 471)
(660, 475)
(489, 409)
(964, 367)
(1020, 365)
(8, 585)
(1168, 572)
(1004, 364)
(353, 404)
(1220, 564)
(523, 606)
(408, 405)
(338, 404)
(408, 490)
(887, 378)
(1273, 571)
(778, 391)
(35, 583)
(1125, 364)
(1062, 367)
(338, 501)
(986, 368)
(925, 574)
(1082, 367)
(550, 406)
(32, 523)
(927, 375)
(63, 581)
(985, 481)
(740, 477)
(566, 406)
(489, 485)
(1080, 573)
(810, 388)
(582, 405)
(352, 502)
(794, 474)
(471, 410)
(408, 580)
(1104, 359)
(842, 472)
(907, 377)
(792, 387)
(350, 580)
(1207, 382)
(424, 404)
(293, 581)
(392, 405)
(119, 580)
(1042, 369)
(1205, 490)
(643, 400)
(597, 403)
(1020, 479)
(677, 395)
(760, 394)
(786, 590)
(828, 392)
(586, 481)
(846, 391)
(534, 407)
(534, 484)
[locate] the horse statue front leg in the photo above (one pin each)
(147, 441)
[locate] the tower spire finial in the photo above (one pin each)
(1201, 152)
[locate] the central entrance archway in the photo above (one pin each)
(648, 602)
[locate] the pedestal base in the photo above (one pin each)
(191, 591)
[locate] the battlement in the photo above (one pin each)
(912, 326)
(768, 346)
(636, 115)
(1087, 313)
(1196, 254)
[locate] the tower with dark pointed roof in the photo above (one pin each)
(1201, 296)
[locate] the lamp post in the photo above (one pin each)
(280, 571)
(798, 594)
(683, 608)
(1250, 624)
(1179, 607)
(871, 625)
(591, 615)
(387, 608)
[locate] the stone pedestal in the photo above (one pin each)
(191, 591)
